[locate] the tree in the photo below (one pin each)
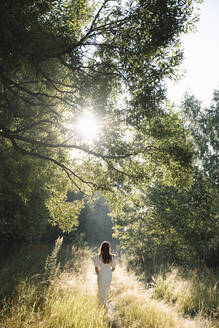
(31, 195)
(178, 223)
(59, 57)
(202, 125)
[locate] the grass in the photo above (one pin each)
(53, 307)
(193, 292)
(61, 293)
(72, 308)
(148, 314)
(135, 307)
(49, 299)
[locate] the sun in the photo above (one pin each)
(87, 127)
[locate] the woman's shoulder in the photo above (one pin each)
(96, 259)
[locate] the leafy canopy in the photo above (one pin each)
(57, 58)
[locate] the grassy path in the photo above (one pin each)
(71, 302)
(129, 304)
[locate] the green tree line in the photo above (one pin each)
(176, 223)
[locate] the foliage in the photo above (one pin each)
(185, 220)
(28, 189)
(202, 125)
(58, 58)
(23, 214)
(177, 223)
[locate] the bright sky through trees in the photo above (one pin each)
(201, 53)
(88, 127)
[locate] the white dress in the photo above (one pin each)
(104, 276)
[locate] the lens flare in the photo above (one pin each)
(88, 127)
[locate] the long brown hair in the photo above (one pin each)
(105, 252)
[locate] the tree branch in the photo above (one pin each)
(66, 169)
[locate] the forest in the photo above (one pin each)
(91, 149)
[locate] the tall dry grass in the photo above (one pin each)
(192, 291)
(49, 299)
(134, 306)
(63, 295)
(53, 307)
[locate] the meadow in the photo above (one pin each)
(55, 287)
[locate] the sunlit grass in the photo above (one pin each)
(135, 306)
(53, 298)
(65, 297)
(72, 308)
(192, 292)
(54, 307)
(147, 314)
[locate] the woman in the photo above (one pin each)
(104, 264)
